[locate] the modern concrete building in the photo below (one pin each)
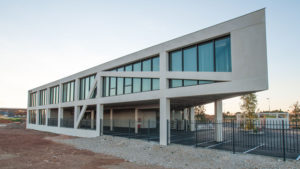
(160, 83)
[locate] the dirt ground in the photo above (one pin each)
(20, 148)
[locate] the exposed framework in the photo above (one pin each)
(249, 74)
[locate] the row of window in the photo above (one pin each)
(211, 56)
(151, 64)
(180, 82)
(54, 95)
(85, 86)
(68, 92)
(119, 85)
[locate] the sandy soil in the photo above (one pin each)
(20, 148)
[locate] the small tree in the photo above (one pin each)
(296, 110)
(200, 113)
(249, 104)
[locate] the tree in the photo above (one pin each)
(296, 110)
(249, 103)
(200, 113)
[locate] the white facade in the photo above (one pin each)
(248, 74)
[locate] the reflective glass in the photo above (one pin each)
(120, 86)
(128, 85)
(206, 57)
(112, 86)
(175, 83)
(223, 55)
(190, 59)
(146, 85)
(128, 68)
(136, 85)
(155, 84)
(190, 82)
(147, 65)
(120, 69)
(176, 61)
(137, 67)
(155, 64)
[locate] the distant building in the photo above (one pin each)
(13, 112)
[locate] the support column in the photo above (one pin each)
(47, 115)
(92, 119)
(99, 116)
(192, 118)
(76, 113)
(136, 118)
(219, 121)
(164, 134)
(60, 116)
(37, 117)
(111, 119)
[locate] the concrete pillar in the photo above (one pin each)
(192, 118)
(99, 86)
(92, 119)
(111, 120)
(77, 86)
(164, 134)
(99, 116)
(47, 115)
(27, 118)
(219, 121)
(37, 116)
(76, 113)
(136, 118)
(60, 116)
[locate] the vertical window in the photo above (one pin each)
(146, 84)
(190, 59)
(190, 82)
(155, 84)
(86, 86)
(223, 55)
(54, 95)
(175, 83)
(32, 99)
(136, 85)
(105, 86)
(176, 61)
(147, 65)
(137, 67)
(128, 85)
(68, 91)
(113, 86)
(120, 89)
(155, 64)
(206, 57)
(42, 99)
(128, 68)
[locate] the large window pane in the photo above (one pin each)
(112, 86)
(106, 86)
(128, 68)
(155, 84)
(128, 85)
(120, 69)
(120, 86)
(136, 85)
(190, 82)
(223, 55)
(146, 85)
(155, 64)
(175, 83)
(206, 57)
(190, 59)
(205, 82)
(176, 61)
(147, 65)
(137, 67)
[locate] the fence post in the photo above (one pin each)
(233, 139)
(196, 134)
(283, 141)
(129, 130)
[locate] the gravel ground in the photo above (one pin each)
(175, 156)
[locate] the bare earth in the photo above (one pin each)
(20, 148)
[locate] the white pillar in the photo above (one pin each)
(76, 113)
(219, 121)
(164, 134)
(111, 119)
(60, 115)
(192, 116)
(136, 118)
(92, 118)
(37, 116)
(99, 117)
(47, 115)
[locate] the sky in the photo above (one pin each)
(42, 41)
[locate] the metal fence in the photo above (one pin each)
(279, 139)
(67, 122)
(87, 124)
(52, 121)
(145, 130)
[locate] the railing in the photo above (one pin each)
(67, 122)
(52, 121)
(87, 124)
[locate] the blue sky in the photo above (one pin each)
(42, 41)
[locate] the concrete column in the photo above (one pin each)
(111, 119)
(164, 134)
(77, 90)
(136, 118)
(192, 118)
(48, 96)
(60, 93)
(37, 116)
(60, 115)
(99, 116)
(76, 113)
(92, 119)
(47, 115)
(219, 121)
(27, 118)
(99, 86)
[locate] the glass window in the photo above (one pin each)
(128, 85)
(128, 68)
(190, 82)
(85, 87)
(147, 65)
(223, 55)
(32, 102)
(68, 91)
(120, 69)
(176, 61)
(205, 82)
(146, 84)
(155, 64)
(112, 86)
(120, 88)
(136, 85)
(54, 95)
(175, 83)
(137, 67)
(190, 59)
(155, 84)
(206, 57)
